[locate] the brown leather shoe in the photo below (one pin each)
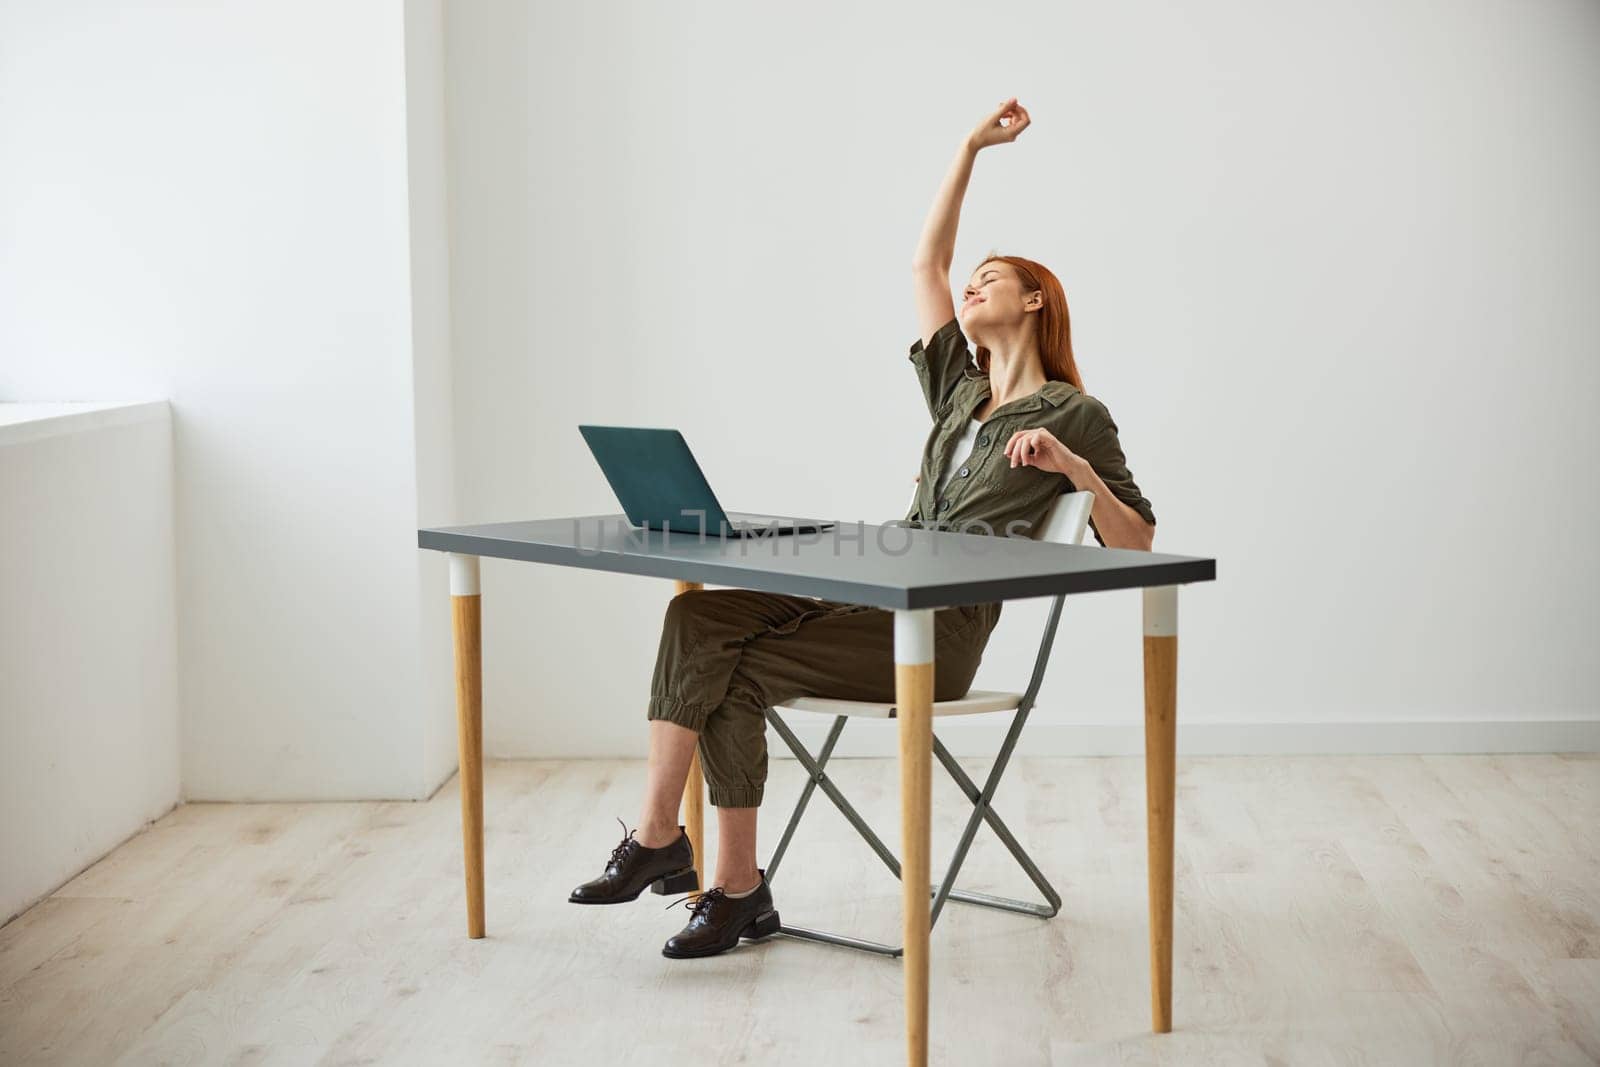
(717, 922)
(669, 869)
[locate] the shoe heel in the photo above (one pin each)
(764, 926)
(685, 881)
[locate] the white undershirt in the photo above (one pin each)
(963, 452)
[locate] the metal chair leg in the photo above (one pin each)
(1004, 834)
(831, 791)
(823, 937)
(982, 811)
(805, 794)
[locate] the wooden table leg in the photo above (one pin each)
(694, 816)
(467, 617)
(913, 697)
(1160, 781)
(694, 789)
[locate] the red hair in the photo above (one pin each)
(1054, 331)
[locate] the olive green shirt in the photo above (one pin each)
(986, 495)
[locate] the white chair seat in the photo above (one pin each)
(975, 702)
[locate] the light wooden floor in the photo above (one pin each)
(1340, 910)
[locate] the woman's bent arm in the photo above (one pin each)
(1118, 525)
(936, 250)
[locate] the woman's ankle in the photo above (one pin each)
(657, 835)
(738, 883)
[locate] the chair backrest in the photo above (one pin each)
(1068, 518)
(1065, 522)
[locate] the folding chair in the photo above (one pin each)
(1064, 523)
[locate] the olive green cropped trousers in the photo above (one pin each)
(727, 655)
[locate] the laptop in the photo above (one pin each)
(661, 487)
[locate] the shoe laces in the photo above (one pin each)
(700, 903)
(628, 844)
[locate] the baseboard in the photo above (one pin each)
(877, 737)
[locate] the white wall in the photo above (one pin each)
(1331, 267)
(1319, 258)
(434, 446)
(210, 203)
(88, 637)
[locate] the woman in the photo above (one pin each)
(1019, 415)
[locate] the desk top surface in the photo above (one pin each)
(886, 566)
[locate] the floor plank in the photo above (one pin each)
(1374, 909)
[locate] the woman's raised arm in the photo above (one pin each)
(930, 266)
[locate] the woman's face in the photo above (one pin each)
(992, 297)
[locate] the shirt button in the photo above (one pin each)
(964, 472)
(983, 442)
(944, 505)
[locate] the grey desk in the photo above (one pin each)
(909, 571)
